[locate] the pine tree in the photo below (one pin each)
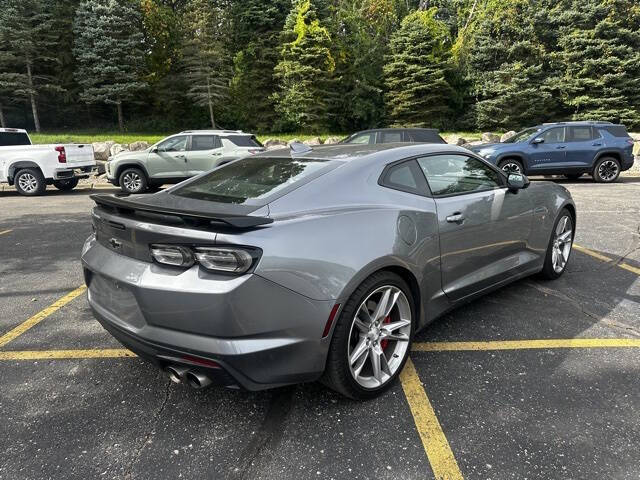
(28, 44)
(109, 52)
(256, 29)
(206, 67)
(305, 69)
(416, 74)
(600, 41)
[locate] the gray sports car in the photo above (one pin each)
(293, 266)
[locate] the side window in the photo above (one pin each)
(363, 139)
(554, 135)
(204, 142)
(391, 137)
(454, 174)
(405, 176)
(579, 134)
(174, 144)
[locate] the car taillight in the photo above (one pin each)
(224, 259)
(62, 155)
(172, 255)
(216, 259)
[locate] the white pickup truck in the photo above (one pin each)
(32, 167)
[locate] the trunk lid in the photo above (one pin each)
(78, 153)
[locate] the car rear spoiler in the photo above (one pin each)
(122, 205)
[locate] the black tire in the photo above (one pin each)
(548, 271)
(573, 176)
(66, 184)
(607, 170)
(30, 182)
(511, 165)
(131, 177)
(337, 374)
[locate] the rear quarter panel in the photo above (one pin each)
(548, 200)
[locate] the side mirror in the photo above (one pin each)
(154, 150)
(517, 181)
(538, 140)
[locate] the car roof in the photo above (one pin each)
(398, 129)
(348, 152)
(214, 132)
(582, 122)
(13, 130)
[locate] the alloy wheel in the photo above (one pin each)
(562, 241)
(511, 167)
(379, 336)
(28, 182)
(132, 181)
(608, 170)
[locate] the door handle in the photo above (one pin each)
(560, 147)
(596, 144)
(180, 156)
(455, 218)
(216, 154)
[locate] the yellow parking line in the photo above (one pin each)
(6, 231)
(527, 344)
(60, 354)
(38, 317)
(593, 254)
(435, 444)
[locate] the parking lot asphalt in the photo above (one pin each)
(537, 380)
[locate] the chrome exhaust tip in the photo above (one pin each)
(197, 380)
(175, 373)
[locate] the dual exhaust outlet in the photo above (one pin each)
(178, 374)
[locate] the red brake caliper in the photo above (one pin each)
(384, 342)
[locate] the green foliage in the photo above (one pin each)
(417, 72)
(305, 70)
(108, 51)
(600, 42)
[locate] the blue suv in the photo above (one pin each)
(601, 149)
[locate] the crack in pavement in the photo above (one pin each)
(156, 418)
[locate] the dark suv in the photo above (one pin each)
(601, 149)
(393, 135)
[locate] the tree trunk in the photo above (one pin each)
(3, 124)
(120, 119)
(32, 97)
(213, 122)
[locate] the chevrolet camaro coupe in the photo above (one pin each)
(315, 263)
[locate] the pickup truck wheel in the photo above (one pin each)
(607, 170)
(66, 184)
(133, 180)
(511, 165)
(30, 182)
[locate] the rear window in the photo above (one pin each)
(10, 139)
(254, 180)
(616, 130)
(244, 141)
(425, 136)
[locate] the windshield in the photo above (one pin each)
(254, 180)
(523, 135)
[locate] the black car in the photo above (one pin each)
(392, 135)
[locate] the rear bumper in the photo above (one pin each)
(627, 162)
(75, 172)
(261, 334)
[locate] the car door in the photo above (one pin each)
(205, 152)
(169, 158)
(548, 150)
(583, 142)
(483, 226)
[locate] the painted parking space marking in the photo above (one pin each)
(6, 231)
(41, 315)
(526, 344)
(67, 354)
(606, 259)
(435, 443)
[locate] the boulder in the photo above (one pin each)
(274, 143)
(507, 135)
(488, 137)
(101, 150)
(332, 140)
(100, 165)
(117, 148)
(138, 146)
(313, 141)
(461, 141)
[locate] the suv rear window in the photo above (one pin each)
(10, 139)
(244, 140)
(616, 130)
(254, 180)
(425, 136)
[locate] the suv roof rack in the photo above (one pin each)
(215, 131)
